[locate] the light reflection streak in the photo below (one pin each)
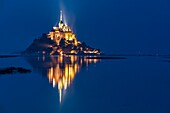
(64, 72)
(61, 70)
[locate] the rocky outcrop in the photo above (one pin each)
(44, 45)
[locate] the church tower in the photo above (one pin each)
(61, 24)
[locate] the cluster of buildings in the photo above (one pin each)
(62, 31)
(59, 41)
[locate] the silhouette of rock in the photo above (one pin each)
(13, 70)
(8, 56)
(105, 57)
(60, 40)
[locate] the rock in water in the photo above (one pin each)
(12, 70)
(60, 40)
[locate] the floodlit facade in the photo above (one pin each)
(62, 31)
(60, 41)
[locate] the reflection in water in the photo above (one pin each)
(60, 70)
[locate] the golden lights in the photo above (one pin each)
(63, 36)
(62, 31)
(64, 70)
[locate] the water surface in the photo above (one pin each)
(78, 85)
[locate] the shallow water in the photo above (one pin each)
(77, 85)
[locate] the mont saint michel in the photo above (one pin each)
(60, 41)
(85, 56)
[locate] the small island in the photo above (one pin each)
(13, 70)
(60, 41)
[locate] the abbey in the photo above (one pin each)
(60, 41)
(62, 31)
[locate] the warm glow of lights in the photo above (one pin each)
(61, 52)
(65, 70)
(63, 31)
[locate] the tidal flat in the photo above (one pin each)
(137, 84)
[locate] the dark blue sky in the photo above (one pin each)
(114, 26)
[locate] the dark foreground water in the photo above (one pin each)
(78, 85)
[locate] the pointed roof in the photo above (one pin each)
(61, 15)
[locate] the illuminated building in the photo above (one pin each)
(62, 31)
(60, 41)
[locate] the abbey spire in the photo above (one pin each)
(61, 40)
(61, 24)
(61, 15)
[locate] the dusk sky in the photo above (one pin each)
(114, 26)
